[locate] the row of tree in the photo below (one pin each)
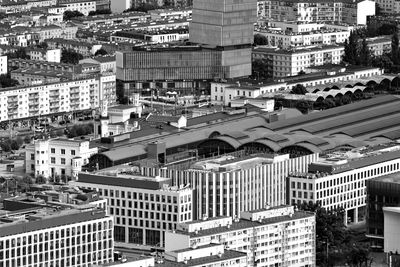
(79, 130)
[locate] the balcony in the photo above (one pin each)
(33, 98)
(12, 101)
(54, 100)
(75, 98)
(54, 93)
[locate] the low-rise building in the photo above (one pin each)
(290, 62)
(83, 6)
(144, 207)
(57, 157)
(151, 37)
(49, 55)
(278, 236)
(379, 45)
(29, 77)
(3, 65)
(106, 63)
(83, 48)
(170, 14)
(339, 179)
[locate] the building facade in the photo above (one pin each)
(339, 180)
(248, 183)
(289, 62)
(57, 157)
(62, 97)
(72, 237)
(277, 236)
(381, 192)
(143, 207)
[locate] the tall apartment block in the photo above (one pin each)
(229, 185)
(52, 237)
(143, 207)
(339, 179)
(278, 236)
(221, 34)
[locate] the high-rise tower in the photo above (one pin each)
(226, 25)
(223, 22)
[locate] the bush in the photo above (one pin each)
(27, 139)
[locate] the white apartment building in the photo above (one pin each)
(389, 6)
(46, 237)
(83, 6)
(339, 179)
(282, 39)
(57, 157)
(223, 93)
(277, 236)
(74, 95)
(227, 186)
(49, 55)
(285, 62)
(3, 65)
(143, 207)
(344, 11)
(107, 63)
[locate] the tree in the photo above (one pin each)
(350, 49)
(303, 106)
(365, 54)
(299, 89)
(328, 103)
(260, 39)
(100, 12)
(40, 179)
(70, 57)
(27, 139)
(395, 55)
(68, 15)
(260, 69)
(101, 52)
(7, 81)
(19, 53)
(42, 45)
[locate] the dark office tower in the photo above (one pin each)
(223, 23)
(228, 26)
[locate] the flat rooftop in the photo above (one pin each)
(245, 224)
(393, 178)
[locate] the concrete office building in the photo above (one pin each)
(49, 237)
(391, 229)
(339, 179)
(57, 157)
(222, 34)
(143, 207)
(250, 182)
(381, 192)
(277, 236)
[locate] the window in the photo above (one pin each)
(32, 156)
(53, 150)
(73, 152)
(63, 161)
(63, 151)
(53, 160)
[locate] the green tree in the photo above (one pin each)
(7, 81)
(350, 49)
(70, 57)
(18, 53)
(101, 52)
(100, 12)
(299, 89)
(40, 179)
(27, 139)
(395, 49)
(260, 39)
(365, 54)
(303, 106)
(260, 69)
(68, 15)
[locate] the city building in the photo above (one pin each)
(29, 77)
(162, 14)
(84, 48)
(83, 6)
(290, 62)
(222, 50)
(278, 236)
(49, 55)
(118, 6)
(144, 207)
(379, 45)
(63, 97)
(3, 65)
(57, 157)
(253, 182)
(381, 192)
(151, 37)
(391, 233)
(54, 237)
(322, 36)
(338, 180)
(106, 63)
(344, 11)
